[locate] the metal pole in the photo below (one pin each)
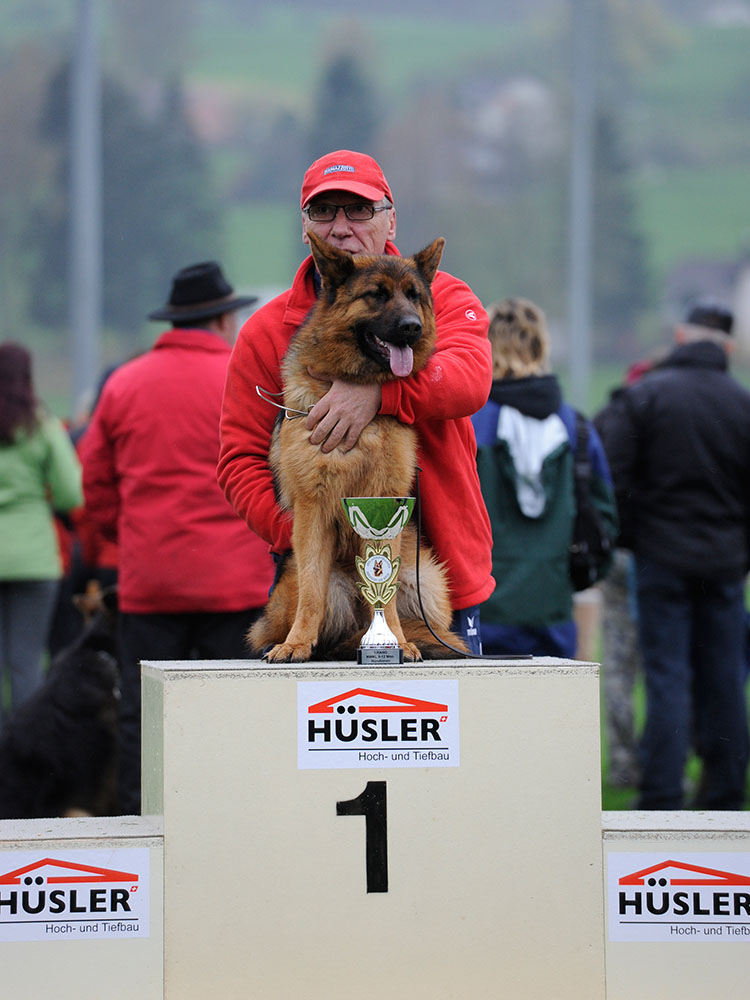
(583, 31)
(85, 200)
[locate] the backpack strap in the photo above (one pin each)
(581, 461)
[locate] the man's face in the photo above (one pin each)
(368, 237)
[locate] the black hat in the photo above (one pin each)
(710, 314)
(199, 292)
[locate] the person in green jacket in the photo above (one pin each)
(39, 474)
(526, 441)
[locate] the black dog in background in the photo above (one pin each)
(58, 750)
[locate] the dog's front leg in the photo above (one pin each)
(313, 548)
(411, 652)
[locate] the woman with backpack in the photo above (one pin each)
(527, 438)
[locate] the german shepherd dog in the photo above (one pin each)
(373, 321)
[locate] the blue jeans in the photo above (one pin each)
(691, 632)
(26, 608)
(543, 640)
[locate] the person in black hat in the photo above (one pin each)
(678, 444)
(201, 292)
(192, 576)
(707, 315)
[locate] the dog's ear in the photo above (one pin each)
(334, 266)
(427, 260)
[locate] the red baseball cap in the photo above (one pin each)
(345, 170)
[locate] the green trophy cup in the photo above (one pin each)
(378, 519)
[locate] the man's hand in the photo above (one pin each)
(337, 420)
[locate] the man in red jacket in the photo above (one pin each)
(347, 202)
(192, 578)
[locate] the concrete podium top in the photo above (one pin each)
(321, 669)
(80, 828)
(670, 824)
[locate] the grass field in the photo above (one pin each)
(693, 212)
(278, 50)
(696, 88)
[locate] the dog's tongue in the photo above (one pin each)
(402, 360)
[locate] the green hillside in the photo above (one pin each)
(682, 111)
(686, 115)
(280, 50)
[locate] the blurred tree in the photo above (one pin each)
(160, 212)
(279, 162)
(502, 219)
(344, 114)
(158, 209)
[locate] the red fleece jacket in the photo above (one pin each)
(149, 468)
(438, 402)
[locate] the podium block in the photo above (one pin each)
(430, 831)
(677, 888)
(60, 935)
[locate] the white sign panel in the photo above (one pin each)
(683, 897)
(74, 894)
(389, 723)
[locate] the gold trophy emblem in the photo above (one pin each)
(378, 520)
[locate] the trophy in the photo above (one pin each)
(378, 519)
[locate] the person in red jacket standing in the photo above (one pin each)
(347, 202)
(192, 578)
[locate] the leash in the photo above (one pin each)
(461, 652)
(289, 413)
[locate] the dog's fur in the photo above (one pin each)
(58, 749)
(373, 321)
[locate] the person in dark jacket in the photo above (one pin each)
(678, 444)
(526, 436)
(621, 651)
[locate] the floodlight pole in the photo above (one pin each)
(583, 35)
(85, 200)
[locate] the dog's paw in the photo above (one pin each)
(411, 653)
(289, 652)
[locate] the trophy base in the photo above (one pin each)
(374, 656)
(379, 645)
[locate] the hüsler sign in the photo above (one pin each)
(686, 897)
(352, 724)
(74, 894)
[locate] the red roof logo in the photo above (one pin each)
(376, 701)
(711, 876)
(67, 872)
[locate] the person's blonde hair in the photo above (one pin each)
(519, 338)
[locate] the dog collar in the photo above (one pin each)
(289, 413)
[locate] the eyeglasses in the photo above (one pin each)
(360, 212)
